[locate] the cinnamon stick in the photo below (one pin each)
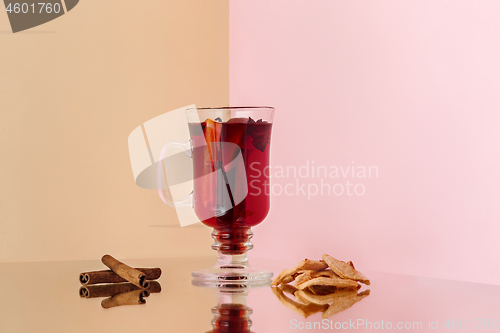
(130, 298)
(130, 274)
(108, 276)
(107, 290)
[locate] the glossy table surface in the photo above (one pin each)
(43, 297)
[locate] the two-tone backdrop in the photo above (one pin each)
(385, 148)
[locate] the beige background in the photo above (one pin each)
(71, 91)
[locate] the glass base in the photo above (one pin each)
(230, 277)
(231, 272)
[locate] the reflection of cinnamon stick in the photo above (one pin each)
(130, 274)
(106, 290)
(108, 276)
(130, 298)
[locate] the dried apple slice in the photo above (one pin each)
(325, 273)
(321, 290)
(283, 276)
(303, 276)
(306, 264)
(302, 309)
(212, 137)
(345, 270)
(313, 265)
(261, 135)
(325, 299)
(288, 279)
(343, 304)
(323, 281)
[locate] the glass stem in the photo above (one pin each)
(229, 260)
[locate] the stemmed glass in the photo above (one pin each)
(230, 149)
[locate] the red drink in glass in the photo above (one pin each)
(230, 162)
(230, 148)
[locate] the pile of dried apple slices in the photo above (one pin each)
(328, 286)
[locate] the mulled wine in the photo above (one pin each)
(230, 166)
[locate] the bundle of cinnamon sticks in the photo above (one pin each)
(121, 284)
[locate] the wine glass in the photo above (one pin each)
(230, 149)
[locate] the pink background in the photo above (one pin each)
(409, 86)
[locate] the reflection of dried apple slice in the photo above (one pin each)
(288, 288)
(325, 299)
(302, 309)
(305, 264)
(345, 270)
(343, 304)
(323, 281)
(303, 300)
